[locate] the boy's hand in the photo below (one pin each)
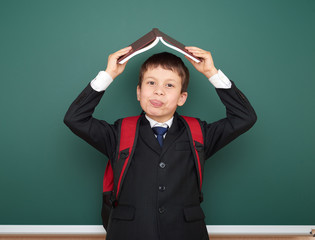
(113, 67)
(206, 66)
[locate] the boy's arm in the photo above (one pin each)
(105, 78)
(79, 119)
(240, 115)
(206, 66)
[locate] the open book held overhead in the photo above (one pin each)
(152, 38)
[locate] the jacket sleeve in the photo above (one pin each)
(240, 117)
(79, 119)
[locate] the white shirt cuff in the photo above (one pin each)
(101, 81)
(219, 80)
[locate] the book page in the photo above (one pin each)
(179, 50)
(140, 50)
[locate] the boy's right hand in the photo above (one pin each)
(113, 67)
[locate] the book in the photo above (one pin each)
(152, 38)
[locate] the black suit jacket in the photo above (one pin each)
(159, 197)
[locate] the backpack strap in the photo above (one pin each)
(108, 184)
(128, 138)
(108, 180)
(196, 138)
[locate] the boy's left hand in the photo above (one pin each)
(206, 66)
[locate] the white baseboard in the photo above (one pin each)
(261, 230)
(52, 229)
(212, 229)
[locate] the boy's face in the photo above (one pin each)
(160, 93)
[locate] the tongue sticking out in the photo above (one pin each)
(156, 103)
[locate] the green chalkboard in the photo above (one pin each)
(50, 50)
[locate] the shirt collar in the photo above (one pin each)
(154, 123)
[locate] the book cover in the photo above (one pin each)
(152, 38)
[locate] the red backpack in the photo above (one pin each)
(127, 138)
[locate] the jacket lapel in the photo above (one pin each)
(147, 134)
(172, 134)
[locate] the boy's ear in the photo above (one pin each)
(182, 99)
(138, 93)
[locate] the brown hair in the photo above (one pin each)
(167, 61)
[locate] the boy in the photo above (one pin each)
(160, 197)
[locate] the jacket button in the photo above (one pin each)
(162, 210)
(162, 188)
(162, 165)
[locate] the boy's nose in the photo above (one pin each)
(159, 91)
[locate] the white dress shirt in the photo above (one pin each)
(154, 123)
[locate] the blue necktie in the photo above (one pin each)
(159, 131)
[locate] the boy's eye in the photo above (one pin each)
(150, 82)
(169, 85)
